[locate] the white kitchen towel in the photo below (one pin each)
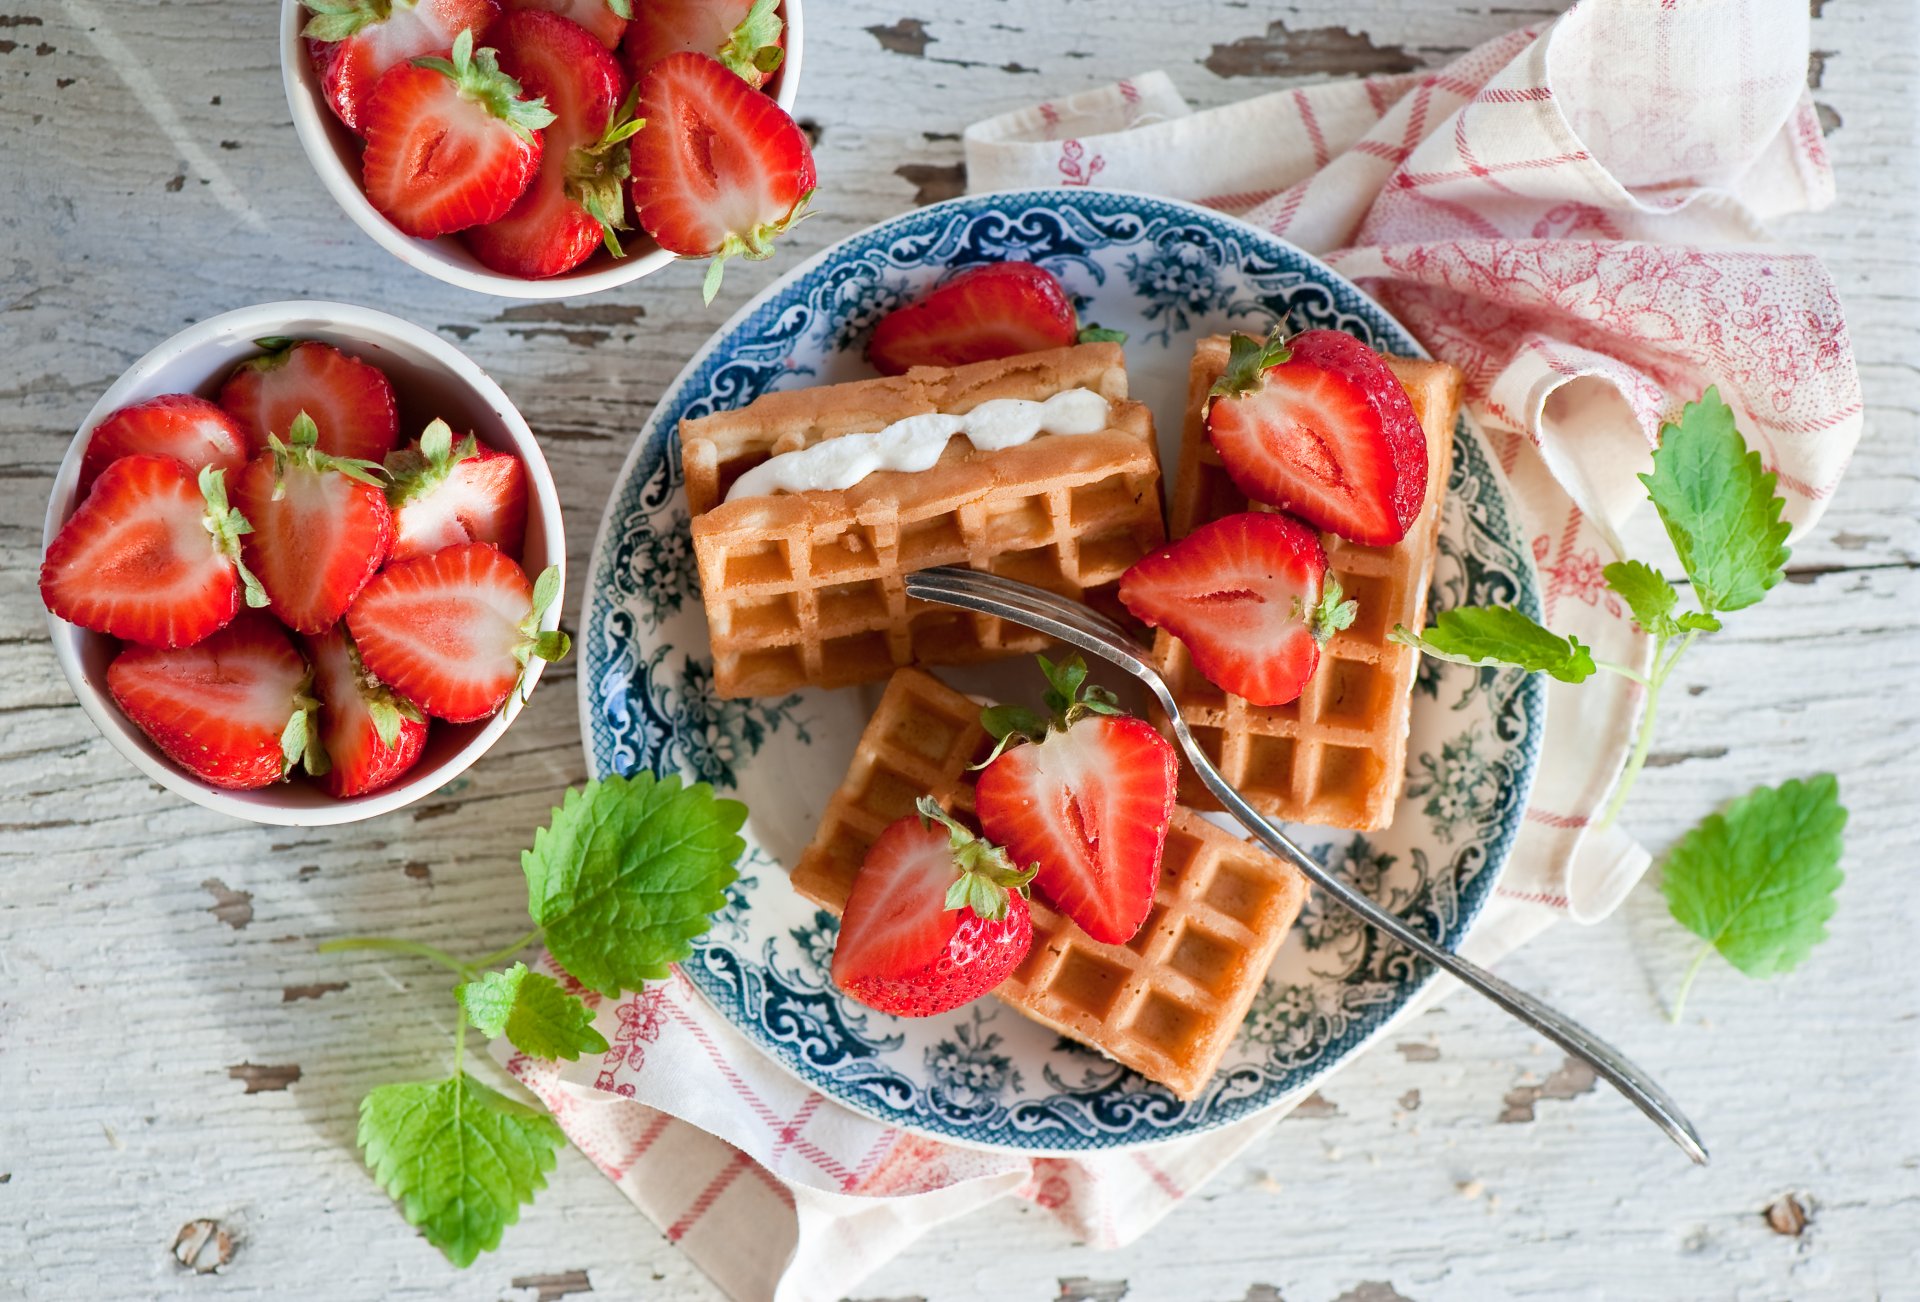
(1572, 215)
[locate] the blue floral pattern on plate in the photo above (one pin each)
(1168, 273)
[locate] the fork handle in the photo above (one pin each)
(1608, 1062)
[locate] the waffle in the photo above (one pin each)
(1167, 1003)
(1335, 757)
(807, 589)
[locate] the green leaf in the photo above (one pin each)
(1096, 334)
(478, 76)
(755, 43)
(621, 8)
(336, 20)
(985, 878)
(1336, 612)
(300, 738)
(459, 1158)
(1003, 721)
(1719, 507)
(1479, 635)
(227, 526)
(628, 873)
(1757, 882)
(536, 1013)
(1248, 359)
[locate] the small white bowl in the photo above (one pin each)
(430, 378)
(334, 152)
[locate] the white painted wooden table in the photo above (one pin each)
(171, 1048)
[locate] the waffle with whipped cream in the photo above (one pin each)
(805, 585)
(1336, 756)
(1167, 1003)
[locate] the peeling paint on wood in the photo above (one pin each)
(1315, 1107)
(235, 908)
(933, 182)
(908, 36)
(1079, 1288)
(262, 1079)
(1573, 1079)
(294, 994)
(1323, 51)
(1786, 1215)
(1415, 1051)
(203, 1246)
(1373, 1290)
(548, 1288)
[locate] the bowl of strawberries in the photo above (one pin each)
(303, 563)
(547, 149)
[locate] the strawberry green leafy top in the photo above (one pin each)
(478, 76)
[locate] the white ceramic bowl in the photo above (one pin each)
(334, 152)
(430, 378)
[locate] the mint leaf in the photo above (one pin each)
(458, 1157)
(1719, 507)
(533, 1011)
(1757, 882)
(1647, 594)
(628, 873)
(1478, 635)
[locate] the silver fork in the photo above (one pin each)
(1078, 626)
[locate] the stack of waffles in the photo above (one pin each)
(807, 589)
(1168, 1002)
(1335, 757)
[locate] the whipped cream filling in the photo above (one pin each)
(915, 443)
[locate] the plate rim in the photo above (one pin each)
(1530, 687)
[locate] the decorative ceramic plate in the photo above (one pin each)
(1167, 273)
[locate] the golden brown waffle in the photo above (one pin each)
(1335, 756)
(807, 589)
(1167, 1003)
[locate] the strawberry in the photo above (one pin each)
(152, 555)
(453, 631)
(1318, 425)
(321, 528)
(1085, 794)
(176, 425)
(371, 736)
(451, 143)
(998, 309)
(578, 199)
(1250, 596)
(721, 171)
(606, 20)
(442, 495)
(353, 43)
(747, 36)
(350, 400)
(233, 710)
(936, 918)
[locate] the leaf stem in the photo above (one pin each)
(1686, 982)
(1623, 671)
(507, 951)
(1663, 663)
(392, 945)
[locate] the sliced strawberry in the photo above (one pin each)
(451, 143)
(1086, 795)
(1245, 593)
(176, 425)
(605, 19)
(371, 736)
(233, 710)
(1318, 425)
(442, 495)
(453, 631)
(936, 918)
(152, 555)
(351, 401)
(747, 36)
(720, 170)
(578, 199)
(321, 528)
(353, 43)
(998, 309)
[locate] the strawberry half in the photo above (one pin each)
(999, 309)
(605, 20)
(746, 36)
(351, 401)
(152, 555)
(1245, 593)
(176, 425)
(936, 918)
(1318, 425)
(233, 710)
(578, 199)
(1085, 793)
(321, 528)
(353, 43)
(451, 143)
(453, 631)
(721, 170)
(442, 495)
(371, 737)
